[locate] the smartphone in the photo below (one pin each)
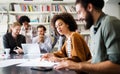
(42, 68)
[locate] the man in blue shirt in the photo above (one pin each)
(43, 40)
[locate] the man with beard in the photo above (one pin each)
(106, 44)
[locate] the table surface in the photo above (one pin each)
(27, 70)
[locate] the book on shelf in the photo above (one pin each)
(29, 7)
(63, 8)
(37, 18)
(44, 18)
(34, 18)
(17, 7)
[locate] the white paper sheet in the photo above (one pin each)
(38, 63)
(9, 62)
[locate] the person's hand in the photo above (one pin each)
(67, 64)
(18, 50)
(46, 56)
(41, 39)
(55, 59)
(51, 57)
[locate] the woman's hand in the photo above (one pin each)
(51, 57)
(46, 56)
(55, 59)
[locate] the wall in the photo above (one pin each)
(112, 9)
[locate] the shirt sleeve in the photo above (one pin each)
(62, 52)
(112, 39)
(5, 42)
(80, 51)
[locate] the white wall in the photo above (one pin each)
(112, 9)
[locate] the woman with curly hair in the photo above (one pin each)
(74, 48)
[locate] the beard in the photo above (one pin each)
(88, 20)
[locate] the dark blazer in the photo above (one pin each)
(10, 42)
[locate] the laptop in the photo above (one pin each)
(31, 49)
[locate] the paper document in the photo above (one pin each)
(38, 63)
(9, 62)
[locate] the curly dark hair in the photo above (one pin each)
(98, 4)
(67, 18)
(41, 26)
(23, 19)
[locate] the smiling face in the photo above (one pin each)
(80, 11)
(61, 27)
(85, 15)
(41, 31)
(16, 30)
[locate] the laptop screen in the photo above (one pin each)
(31, 48)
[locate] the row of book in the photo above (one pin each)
(33, 8)
(29, 8)
(63, 8)
(33, 18)
(40, 18)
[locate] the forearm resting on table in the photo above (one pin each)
(106, 67)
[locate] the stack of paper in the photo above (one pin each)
(9, 62)
(38, 63)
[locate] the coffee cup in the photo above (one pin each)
(7, 51)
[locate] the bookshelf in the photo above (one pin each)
(3, 20)
(40, 11)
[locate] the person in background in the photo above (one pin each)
(105, 36)
(60, 39)
(27, 30)
(74, 48)
(43, 40)
(13, 39)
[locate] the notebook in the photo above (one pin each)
(31, 49)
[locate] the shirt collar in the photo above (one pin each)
(98, 23)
